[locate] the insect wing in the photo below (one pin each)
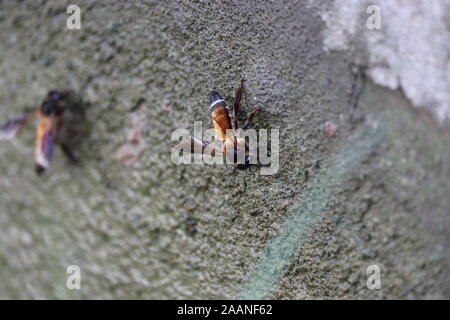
(197, 145)
(44, 150)
(10, 129)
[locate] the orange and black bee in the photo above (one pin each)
(226, 128)
(48, 131)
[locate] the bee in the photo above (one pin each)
(48, 131)
(226, 127)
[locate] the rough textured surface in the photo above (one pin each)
(410, 50)
(156, 230)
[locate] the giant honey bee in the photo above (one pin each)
(48, 131)
(227, 130)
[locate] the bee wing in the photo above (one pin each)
(217, 146)
(197, 145)
(10, 129)
(44, 149)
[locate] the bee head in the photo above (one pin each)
(55, 95)
(48, 108)
(53, 104)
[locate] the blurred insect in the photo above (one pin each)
(48, 131)
(226, 127)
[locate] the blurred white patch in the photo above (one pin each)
(134, 145)
(411, 51)
(330, 128)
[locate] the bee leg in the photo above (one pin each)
(68, 153)
(237, 103)
(250, 118)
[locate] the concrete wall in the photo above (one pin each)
(376, 192)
